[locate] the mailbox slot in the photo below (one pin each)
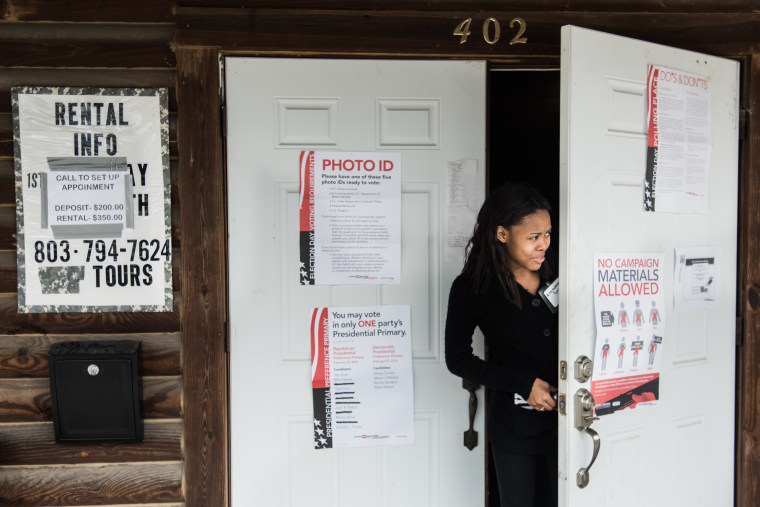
(94, 391)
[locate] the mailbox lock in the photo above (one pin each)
(93, 370)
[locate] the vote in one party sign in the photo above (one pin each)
(92, 199)
(361, 372)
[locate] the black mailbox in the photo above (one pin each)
(94, 391)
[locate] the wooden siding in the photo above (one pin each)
(34, 469)
(133, 483)
(410, 33)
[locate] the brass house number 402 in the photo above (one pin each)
(492, 30)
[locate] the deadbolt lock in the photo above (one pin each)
(584, 369)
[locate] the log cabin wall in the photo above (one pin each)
(127, 45)
(176, 44)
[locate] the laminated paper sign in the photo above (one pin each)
(92, 199)
(362, 376)
(678, 142)
(630, 327)
(350, 218)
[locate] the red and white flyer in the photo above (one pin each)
(678, 142)
(361, 376)
(350, 218)
(630, 327)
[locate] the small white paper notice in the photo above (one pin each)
(86, 197)
(462, 204)
(697, 279)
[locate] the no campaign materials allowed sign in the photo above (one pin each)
(630, 327)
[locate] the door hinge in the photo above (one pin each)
(743, 123)
(739, 331)
(222, 98)
(563, 370)
(223, 120)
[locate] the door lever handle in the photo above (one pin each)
(584, 417)
(582, 477)
(471, 436)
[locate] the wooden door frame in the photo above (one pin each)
(747, 487)
(202, 35)
(203, 317)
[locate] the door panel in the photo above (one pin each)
(679, 452)
(431, 112)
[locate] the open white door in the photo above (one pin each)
(681, 452)
(432, 112)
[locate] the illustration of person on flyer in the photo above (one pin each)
(654, 315)
(623, 316)
(605, 353)
(635, 347)
(652, 350)
(638, 315)
(621, 353)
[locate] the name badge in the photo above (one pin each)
(550, 295)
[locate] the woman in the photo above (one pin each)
(500, 291)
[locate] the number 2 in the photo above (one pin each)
(518, 39)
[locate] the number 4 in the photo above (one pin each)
(463, 30)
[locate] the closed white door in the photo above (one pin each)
(432, 112)
(681, 452)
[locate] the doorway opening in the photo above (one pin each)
(523, 145)
(523, 133)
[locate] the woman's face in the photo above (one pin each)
(526, 243)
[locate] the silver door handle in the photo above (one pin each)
(584, 417)
(582, 477)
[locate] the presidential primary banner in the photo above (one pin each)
(361, 368)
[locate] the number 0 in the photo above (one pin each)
(496, 30)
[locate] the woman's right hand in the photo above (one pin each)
(541, 396)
